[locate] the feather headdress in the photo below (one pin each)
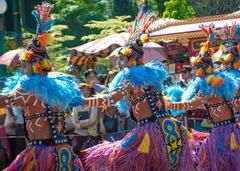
(203, 61)
(133, 49)
(36, 52)
(230, 39)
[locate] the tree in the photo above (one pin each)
(124, 7)
(156, 5)
(75, 14)
(178, 9)
(214, 7)
(107, 27)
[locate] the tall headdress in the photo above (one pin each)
(36, 52)
(204, 61)
(230, 41)
(133, 50)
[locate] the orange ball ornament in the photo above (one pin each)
(37, 68)
(144, 38)
(217, 81)
(200, 73)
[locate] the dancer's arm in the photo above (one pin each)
(106, 100)
(16, 98)
(189, 105)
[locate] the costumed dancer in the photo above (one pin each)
(44, 99)
(158, 142)
(230, 58)
(220, 151)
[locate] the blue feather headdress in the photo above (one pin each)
(150, 74)
(58, 90)
(228, 89)
(9, 83)
(175, 94)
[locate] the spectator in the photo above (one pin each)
(20, 130)
(91, 79)
(85, 123)
(10, 128)
(5, 154)
(185, 76)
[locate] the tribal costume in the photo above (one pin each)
(158, 142)
(44, 99)
(218, 90)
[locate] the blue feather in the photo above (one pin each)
(47, 25)
(191, 90)
(175, 93)
(57, 91)
(34, 12)
(226, 90)
(11, 82)
(150, 74)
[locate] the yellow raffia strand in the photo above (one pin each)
(189, 135)
(233, 142)
(145, 145)
(30, 165)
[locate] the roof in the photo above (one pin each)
(101, 47)
(177, 29)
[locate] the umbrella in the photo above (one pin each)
(101, 47)
(11, 58)
(151, 51)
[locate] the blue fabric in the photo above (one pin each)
(150, 74)
(58, 90)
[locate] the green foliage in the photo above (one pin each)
(124, 7)
(178, 9)
(156, 5)
(107, 27)
(57, 51)
(214, 7)
(75, 14)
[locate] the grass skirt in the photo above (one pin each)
(41, 158)
(221, 150)
(142, 149)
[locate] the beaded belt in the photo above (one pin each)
(47, 142)
(153, 118)
(43, 115)
(147, 120)
(225, 122)
(237, 116)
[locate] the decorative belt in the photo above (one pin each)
(237, 116)
(153, 118)
(47, 142)
(43, 115)
(147, 120)
(225, 122)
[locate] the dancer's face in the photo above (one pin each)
(26, 68)
(122, 62)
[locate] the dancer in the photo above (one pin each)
(44, 99)
(158, 142)
(230, 58)
(220, 151)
